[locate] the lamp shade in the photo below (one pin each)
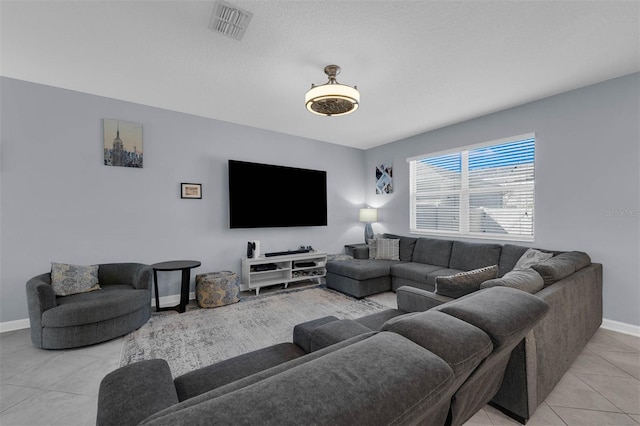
(368, 215)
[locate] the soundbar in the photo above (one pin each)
(283, 253)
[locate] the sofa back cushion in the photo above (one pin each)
(509, 256)
(407, 245)
(561, 266)
(433, 251)
(505, 314)
(461, 345)
(468, 256)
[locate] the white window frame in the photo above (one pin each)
(464, 194)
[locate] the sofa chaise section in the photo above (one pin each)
(360, 277)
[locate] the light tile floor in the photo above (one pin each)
(40, 387)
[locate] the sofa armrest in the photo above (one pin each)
(143, 277)
(40, 297)
(411, 299)
(138, 275)
(132, 393)
(334, 332)
(361, 252)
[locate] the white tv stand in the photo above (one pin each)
(289, 268)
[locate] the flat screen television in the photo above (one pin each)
(268, 196)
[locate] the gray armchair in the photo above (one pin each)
(122, 305)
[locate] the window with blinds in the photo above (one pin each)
(484, 191)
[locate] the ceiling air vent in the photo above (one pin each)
(230, 21)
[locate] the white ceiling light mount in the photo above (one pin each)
(332, 98)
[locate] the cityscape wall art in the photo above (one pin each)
(122, 143)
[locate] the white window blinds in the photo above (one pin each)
(486, 191)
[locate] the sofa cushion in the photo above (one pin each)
(387, 249)
(334, 332)
(509, 256)
(532, 257)
(376, 320)
(412, 299)
(407, 246)
(433, 251)
(463, 346)
(491, 310)
(464, 282)
(444, 272)
(361, 269)
(561, 266)
(69, 279)
(578, 258)
(469, 256)
(86, 308)
(414, 271)
(523, 279)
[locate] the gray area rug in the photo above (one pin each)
(200, 337)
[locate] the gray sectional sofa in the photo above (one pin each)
(433, 368)
(569, 282)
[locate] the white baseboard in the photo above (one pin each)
(621, 327)
(14, 325)
(21, 324)
(171, 300)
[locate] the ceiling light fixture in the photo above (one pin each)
(332, 98)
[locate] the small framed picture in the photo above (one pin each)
(191, 190)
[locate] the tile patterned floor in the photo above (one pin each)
(39, 387)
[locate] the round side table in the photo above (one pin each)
(175, 265)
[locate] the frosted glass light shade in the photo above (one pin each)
(368, 215)
(332, 99)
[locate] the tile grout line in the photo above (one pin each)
(556, 413)
(596, 391)
(22, 400)
(628, 375)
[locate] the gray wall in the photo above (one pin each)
(59, 203)
(587, 178)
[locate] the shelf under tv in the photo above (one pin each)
(286, 271)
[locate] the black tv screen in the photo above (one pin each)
(267, 196)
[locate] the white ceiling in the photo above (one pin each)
(419, 65)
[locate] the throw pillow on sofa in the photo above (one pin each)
(372, 243)
(407, 246)
(523, 279)
(72, 279)
(387, 248)
(530, 258)
(462, 283)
